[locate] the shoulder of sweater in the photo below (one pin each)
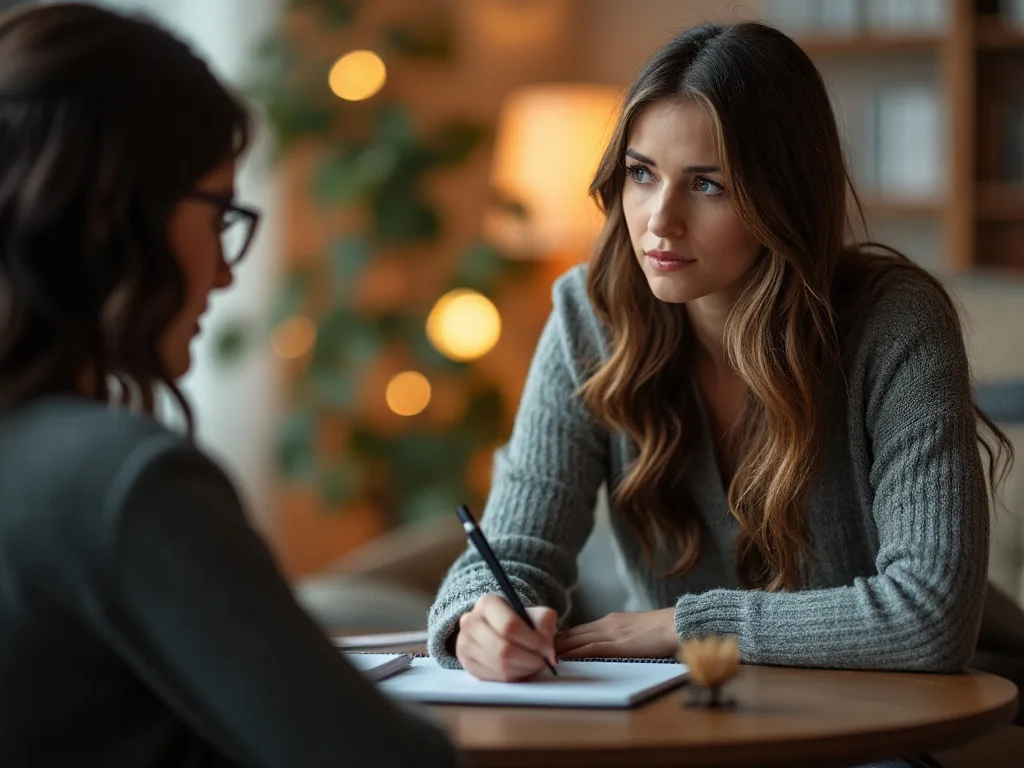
(908, 311)
(583, 336)
(908, 360)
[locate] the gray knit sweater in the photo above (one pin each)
(898, 517)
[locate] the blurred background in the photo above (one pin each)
(423, 166)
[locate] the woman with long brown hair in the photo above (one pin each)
(783, 417)
(142, 621)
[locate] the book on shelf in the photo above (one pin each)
(815, 17)
(906, 141)
(794, 17)
(1011, 155)
(1012, 11)
(839, 17)
(849, 17)
(906, 16)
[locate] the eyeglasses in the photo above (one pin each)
(238, 224)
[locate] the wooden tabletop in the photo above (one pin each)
(782, 716)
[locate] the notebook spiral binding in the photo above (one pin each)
(629, 659)
(622, 659)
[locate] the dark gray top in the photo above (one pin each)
(898, 517)
(144, 623)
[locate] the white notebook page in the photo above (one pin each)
(587, 684)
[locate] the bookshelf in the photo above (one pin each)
(832, 45)
(892, 206)
(979, 62)
(994, 34)
(1001, 201)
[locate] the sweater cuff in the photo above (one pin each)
(717, 612)
(458, 598)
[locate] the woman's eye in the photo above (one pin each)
(640, 174)
(707, 187)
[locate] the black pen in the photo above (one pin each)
(476, 537)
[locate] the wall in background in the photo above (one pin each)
(615, 38)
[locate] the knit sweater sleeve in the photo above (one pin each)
(921, 609)
(541, 507)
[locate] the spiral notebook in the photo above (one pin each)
(380, 666)
(599, 683)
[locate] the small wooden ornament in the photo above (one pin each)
(713, 661)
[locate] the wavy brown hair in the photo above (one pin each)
(106, 123)
(783, 161)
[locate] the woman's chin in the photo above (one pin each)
(669, 290)
(177, 361)
(178, 368)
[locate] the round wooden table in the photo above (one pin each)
(782, 716)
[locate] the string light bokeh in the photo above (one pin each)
(464, 325)
(408, 393)
(293, 337)
(357, 75)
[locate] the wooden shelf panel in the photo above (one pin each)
(881, 205)
(1000, 201)
(994, 34)
(827, 45)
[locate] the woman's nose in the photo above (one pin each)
(668, 217)
(225, 276)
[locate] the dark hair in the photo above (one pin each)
(106, 122)
(783, 162)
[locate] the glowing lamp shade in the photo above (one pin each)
(549, 142)
(408, 393)
(293, 337)
(464, 325)
(357, 75)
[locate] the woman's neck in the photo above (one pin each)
(707, 319)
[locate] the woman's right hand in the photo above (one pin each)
(495, 644)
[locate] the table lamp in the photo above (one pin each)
(548, 144)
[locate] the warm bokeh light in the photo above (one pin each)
(516, 29)
(549, 142)
(293, 337)
(408, 393)
(464, 325)
(357, 75)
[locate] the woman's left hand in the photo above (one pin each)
(647, 634)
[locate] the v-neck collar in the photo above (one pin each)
(703, 484)
(704, 476)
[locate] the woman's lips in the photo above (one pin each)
(667, 261)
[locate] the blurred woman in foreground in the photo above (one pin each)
(142, 621)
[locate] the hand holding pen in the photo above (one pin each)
(500, 639)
